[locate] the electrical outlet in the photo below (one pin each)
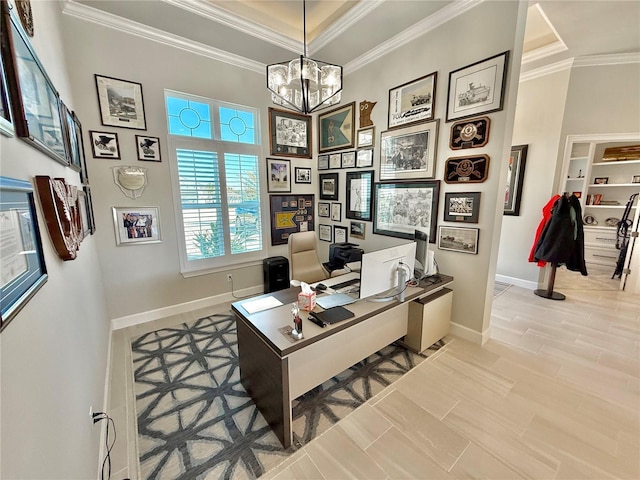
(229, 278)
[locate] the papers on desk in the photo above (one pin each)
(261, 304)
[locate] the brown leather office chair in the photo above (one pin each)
(303, 258)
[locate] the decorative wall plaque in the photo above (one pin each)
(365, 113)
(473, 169)
(472, 133)
(131, 180)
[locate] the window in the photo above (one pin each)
(214, 150)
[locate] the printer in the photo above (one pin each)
(341, 253)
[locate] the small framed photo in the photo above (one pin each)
(104, 145)
(335, 160)
(148, 148)
(136, 225)
(329, 186)
(340, 234)
(461, 207)
(278, 175)
(601, 180)
(357, 230)
(477, 88)
(412, 102)
(323, 209)
(303, 175)
(337, 128)
(409, 152)
(349, 160)
(290, 134)
(458, 239)
(359, 195)
(364, 158)
(323, 162)
(635, 179)
(324, 233)
(336, 212)
(121, 103)
(366, 137)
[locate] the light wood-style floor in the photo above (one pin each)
(555, 394)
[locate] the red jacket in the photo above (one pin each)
(546, 216)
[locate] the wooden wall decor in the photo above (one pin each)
(61, 210)
(472, 169)
(365, 113)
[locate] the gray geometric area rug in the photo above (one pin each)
(196, 421)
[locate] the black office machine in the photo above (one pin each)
(341, 253)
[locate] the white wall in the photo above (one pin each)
(54, 352)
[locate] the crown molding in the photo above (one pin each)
(546, 70)
(613, 59)
(219, 15)
(108, 20)
(543, 52)
(424, 26)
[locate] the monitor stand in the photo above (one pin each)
(402, 280)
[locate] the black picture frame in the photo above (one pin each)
(336, 128)
(329, 186)
(290, 213)
(325, 233)
(71, 138)
(289, 134)
(21, 250)
(84, 174)
(302, 175)
(515, 180)
(412, 102)
(324, 209)
(458, 239)
(89, 202)
(6, 120)
(121, 103)
(323, 162)
(35, 103)
(104, 145)
(462, 207)
(359, 195)
(336, 211)
(400, 207)
(472, 88)
(340, 234)
(148, 148)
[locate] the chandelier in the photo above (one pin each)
(303, 84)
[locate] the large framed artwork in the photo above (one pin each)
(461, 207)
(329, 186)
(400, 207)
(409, 153)
(121, 103)
(23, 270)
(290, 214)
(136, 225)
(412, 102)
(458, 239)
(278, 175)
(289, 134)
(34, 100)
(477, 88)
(359, 195)
(337, 128)
(515, 180)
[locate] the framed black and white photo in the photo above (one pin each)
(462, 207)
(84, 175)
(357, 230)
(148, 148)
(340, 234)
(409, 153)
(289, 133)
(71, 138)
(329, 186)
(104, 145)
(278, 175)
(323, 162)
(121, 103)
(35, 102)
(324, 233)
(323, 209)
(349, 159)
(23, 267)
(365, 137)
(458, 239)
(412, 102)
(337, 128)
(477, 88)
(303, 175)
(364, 158)
(136, 225)
(336, 212)
(359, 195)
(335, 160)
(6, 121)
(400, 207)
(515, 180)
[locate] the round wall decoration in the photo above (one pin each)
(23, 8)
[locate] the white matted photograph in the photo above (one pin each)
(148, 148)
(340, 234)
(348, 159)
(458, 239)
(278, 175)
(104, 145)
(324, 233)
(336, 212)
(364, 158)
(136, 225)
(335, 160)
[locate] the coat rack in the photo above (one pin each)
(549, 293)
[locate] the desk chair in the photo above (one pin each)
(304, 261)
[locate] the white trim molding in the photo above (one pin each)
(613, 59)
(546, 70)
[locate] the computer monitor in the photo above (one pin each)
(422, 254)
(383, 273)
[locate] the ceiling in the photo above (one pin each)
(351, 32)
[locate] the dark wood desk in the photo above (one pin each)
(274, 370)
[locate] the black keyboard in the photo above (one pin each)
(348, 283)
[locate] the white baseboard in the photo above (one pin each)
(518, 282)
(143, 317)
(467, 334)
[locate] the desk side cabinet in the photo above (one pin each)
(429, 320)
